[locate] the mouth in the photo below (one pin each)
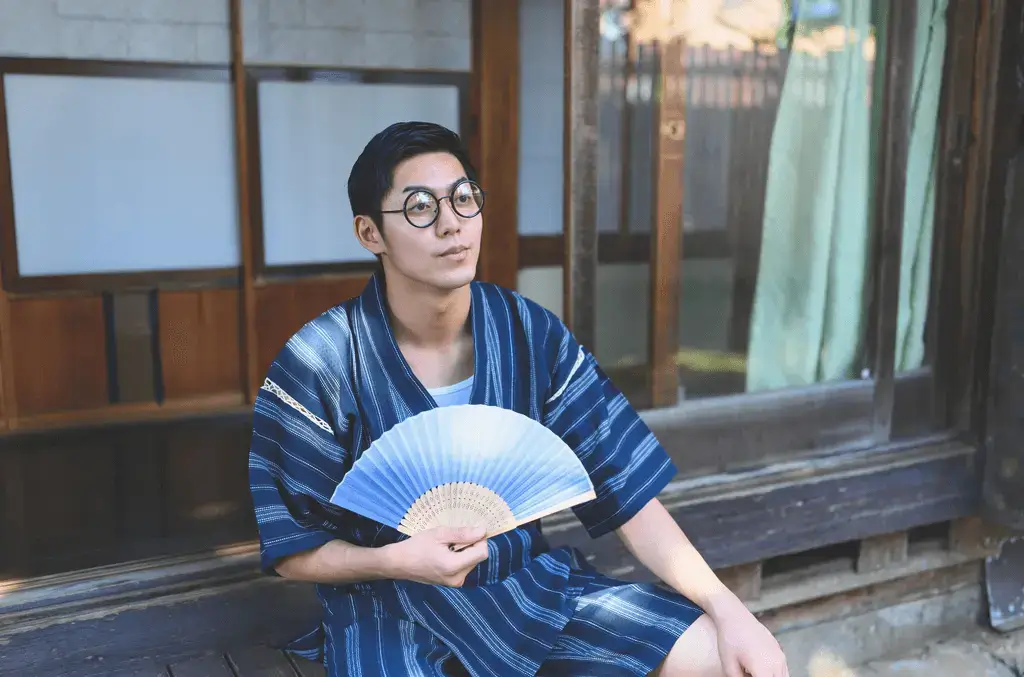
(454, 251)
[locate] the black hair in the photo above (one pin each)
(373, 171)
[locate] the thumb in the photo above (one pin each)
(465, 535)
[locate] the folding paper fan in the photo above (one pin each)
(464, 465)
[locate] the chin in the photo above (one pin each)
(455, 279)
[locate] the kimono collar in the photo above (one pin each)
(397, 373)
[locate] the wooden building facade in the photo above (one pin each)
(784, 230)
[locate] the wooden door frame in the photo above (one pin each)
(493, 134)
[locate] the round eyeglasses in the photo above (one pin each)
(422, 208)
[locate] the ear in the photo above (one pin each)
(369, 235)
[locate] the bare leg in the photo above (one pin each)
(695, 653)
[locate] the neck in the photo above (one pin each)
(427, 317)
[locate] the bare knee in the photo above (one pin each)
(695, 653)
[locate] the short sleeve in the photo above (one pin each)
(627, 464)
(296, 458)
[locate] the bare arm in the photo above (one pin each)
(654, 538)
(744, 645)
(424, 558)
(338, 562)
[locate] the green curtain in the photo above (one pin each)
(809, 304)
(922, 163)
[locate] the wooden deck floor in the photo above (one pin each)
(251, 662)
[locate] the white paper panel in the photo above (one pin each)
(310, 135)
(541, 90)
(121, 174)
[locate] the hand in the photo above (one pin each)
(439, 556)
(745, 646)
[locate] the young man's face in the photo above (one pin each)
(442, 255)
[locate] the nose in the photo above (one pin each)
(448, 222)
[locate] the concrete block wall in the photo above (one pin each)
(429, 34)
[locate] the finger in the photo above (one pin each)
(472, 555)
(460, 536)
(732, 668)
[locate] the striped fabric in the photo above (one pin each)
(341, 382)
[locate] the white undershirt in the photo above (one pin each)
(447, 396)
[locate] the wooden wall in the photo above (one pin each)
(125, 399)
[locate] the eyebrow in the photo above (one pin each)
(410, 189)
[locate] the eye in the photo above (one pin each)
(420, 203)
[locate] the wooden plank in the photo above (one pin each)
(495, 137)
(667, 226)
(249, 363)
(260, 661)
(745, 517)
(284, 306)
(199, 342)
(975, 536)
(882, 551)
(744, 580)
(944, 334)
(131, 334)
(862, 598)
(993, 143)
(890, 188)
(540, 251)
(204, 666)
(582, 39)
(265, 611)
(58, 349)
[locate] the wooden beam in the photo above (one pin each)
(8, 258)
(582, 39)
(944, 334)
(739, 518)
(743, 579)
(882, 552)
(1004, 204)
(667, 226)
(249, 353)
(890, 195)
(495, 134)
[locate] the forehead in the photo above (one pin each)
(431, 170)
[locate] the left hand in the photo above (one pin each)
(745, 646)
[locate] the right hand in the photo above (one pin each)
(439, 556)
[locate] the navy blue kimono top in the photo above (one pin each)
(341, 381)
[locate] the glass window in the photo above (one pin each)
(116, 175)
(310, 134)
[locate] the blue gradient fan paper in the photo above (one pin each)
(468, 465)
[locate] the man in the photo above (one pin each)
(423, 334)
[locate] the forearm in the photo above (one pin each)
(338, 563)
(654, 538)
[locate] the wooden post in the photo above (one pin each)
(249, 352)
(494, 134)
(582, 39)
(8, 259)
(667, 228)
(890, 194)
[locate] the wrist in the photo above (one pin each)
(390, 564)
(722, 603)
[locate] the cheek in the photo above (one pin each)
(410, 243)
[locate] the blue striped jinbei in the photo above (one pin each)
(341, 382)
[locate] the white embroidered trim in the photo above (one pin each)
(579, 361)
(275, 389)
